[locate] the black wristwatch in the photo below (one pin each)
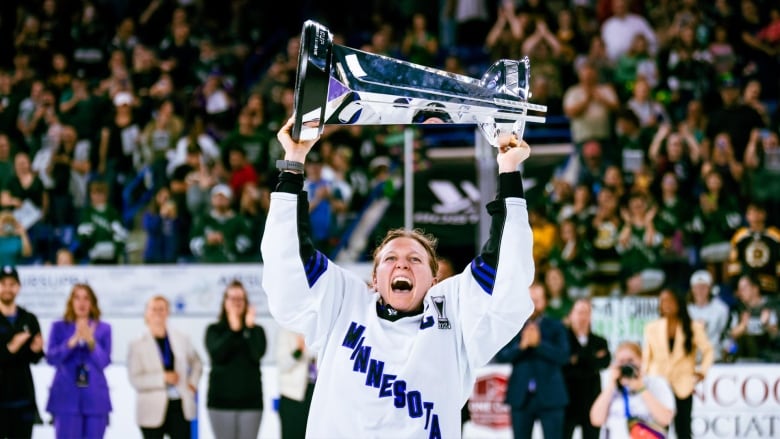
(289, 165)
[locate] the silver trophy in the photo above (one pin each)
(339, 85)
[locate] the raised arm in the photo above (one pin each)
(305, 290)
(495, 302)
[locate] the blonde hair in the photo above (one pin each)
(428, 242)
(631, 346)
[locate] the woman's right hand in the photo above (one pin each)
(294, 151)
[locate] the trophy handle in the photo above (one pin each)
(311, 81)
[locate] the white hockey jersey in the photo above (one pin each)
(410, 377)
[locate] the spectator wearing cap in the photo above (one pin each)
(101, 234)
(21, 345)
(733, 117)
(220, 235)
(119, 138)
(705, 307)
(755, 249)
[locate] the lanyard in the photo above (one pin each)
(166, 353)
(625, 401)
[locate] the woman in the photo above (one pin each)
(630, 399)
(671, 346)
(164, 369)
(297, 375)
(24, 193)
(163, 229)
(14, 242)
(80, 350)
(235, 346)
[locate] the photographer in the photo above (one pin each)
(14, 243)
(631, 402)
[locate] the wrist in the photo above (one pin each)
(290, 165)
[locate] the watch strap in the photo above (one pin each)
(289, 165)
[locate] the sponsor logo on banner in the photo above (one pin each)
(123, 291)
(455, 204)
(740, 400)
(486, 405)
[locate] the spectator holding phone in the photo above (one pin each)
(21, 344)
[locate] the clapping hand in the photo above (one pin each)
(17, 341)
(531, 337)
(249, 319)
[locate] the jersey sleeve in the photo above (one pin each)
(495, 302)
(305, 290)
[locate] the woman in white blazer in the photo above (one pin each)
(164, 369)
(297, 373)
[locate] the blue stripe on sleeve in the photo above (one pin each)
(484, 274)
(315, 267)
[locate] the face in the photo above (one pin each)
(554, 280)
(403, 274)
(674, 147)
(746, 291)
(81, 302)
(538, 298)
(669, 183)
(9, 288)
(220, 201)
(157, 312)
(21, 164)
(235, 300)
(637, 206)
(98, 197)
(580, 314)
(613, 176)
(755, 217)
(667, 303)
(713, 182)
(700, 292)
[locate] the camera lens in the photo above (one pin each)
(627, 371)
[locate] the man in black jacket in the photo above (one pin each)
(20, 345)
(589, 354)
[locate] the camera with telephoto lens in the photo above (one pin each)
(628, 371)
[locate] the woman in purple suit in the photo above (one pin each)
(80, 350)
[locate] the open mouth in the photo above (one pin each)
(401, 284)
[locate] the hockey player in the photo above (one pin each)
(397, 357)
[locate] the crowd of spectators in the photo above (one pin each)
(158, 116)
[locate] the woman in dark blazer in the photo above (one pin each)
(235, 345)
(80, 350)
